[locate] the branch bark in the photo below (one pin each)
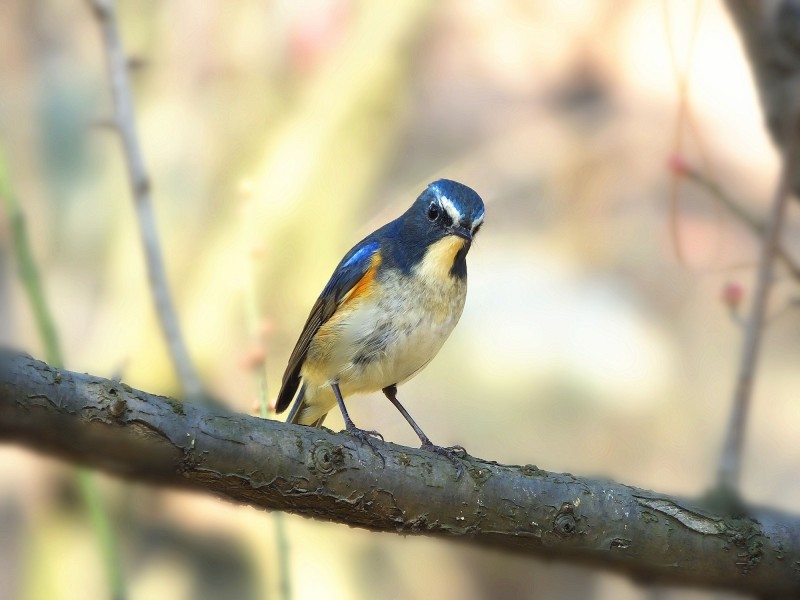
(316, 473)
(770, 33)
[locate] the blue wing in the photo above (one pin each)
(347, 274)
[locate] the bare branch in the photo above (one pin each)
(770, 33)
(735, 208)
(124, 122)
(730, 466)
(319, 474)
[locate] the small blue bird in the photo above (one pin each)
(389, 306)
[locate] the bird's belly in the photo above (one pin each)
(396, 353)
(388, 340)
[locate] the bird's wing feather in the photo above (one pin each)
(354, 266)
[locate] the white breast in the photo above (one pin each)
(394, 336)
(412, 322)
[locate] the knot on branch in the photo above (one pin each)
(117, 403)
(565, 524)
(325, 458)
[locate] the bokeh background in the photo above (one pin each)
(279, 133)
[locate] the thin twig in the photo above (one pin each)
(731, 460)
(253, 312)
(125, 123)
(32, 283)
(681, 73)
(756, 225)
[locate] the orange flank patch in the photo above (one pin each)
(315, 368)
(364, 287)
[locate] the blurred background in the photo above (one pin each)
(276, 135)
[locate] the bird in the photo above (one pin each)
(386, 311)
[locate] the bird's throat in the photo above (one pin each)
(444, 259)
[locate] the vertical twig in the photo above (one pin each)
(32, 283)
(731, 461)
(252, 311)
(683, 117)
(125, 124)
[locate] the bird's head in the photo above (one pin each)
(447, 208)
(442, 223)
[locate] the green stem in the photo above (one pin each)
(103, 530)
(32, 283)
(28, 272)
(282, 545)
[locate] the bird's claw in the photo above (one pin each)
(454, 454)
(367, 437)
(364, 435)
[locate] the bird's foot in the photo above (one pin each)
(368, 438)
(454, 454)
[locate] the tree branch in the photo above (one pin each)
(319, 474)
(731, 460)
(770, 33)
(736, 209)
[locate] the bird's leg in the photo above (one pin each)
(454, 453)
(361, 434)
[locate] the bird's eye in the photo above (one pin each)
(433, 212)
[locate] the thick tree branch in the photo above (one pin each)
(319, 474)
(770, 33)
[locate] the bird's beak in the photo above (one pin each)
(462, 232)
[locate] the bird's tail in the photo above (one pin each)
(303, 413)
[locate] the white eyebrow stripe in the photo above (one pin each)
(450, 208)
(478, 221)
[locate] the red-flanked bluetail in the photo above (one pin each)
(389, 306)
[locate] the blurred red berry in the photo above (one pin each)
(254, 357)
(265, 328)
(732, 294)
(678, 165)
(316, 33)
(257, 250)
(246, 187)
